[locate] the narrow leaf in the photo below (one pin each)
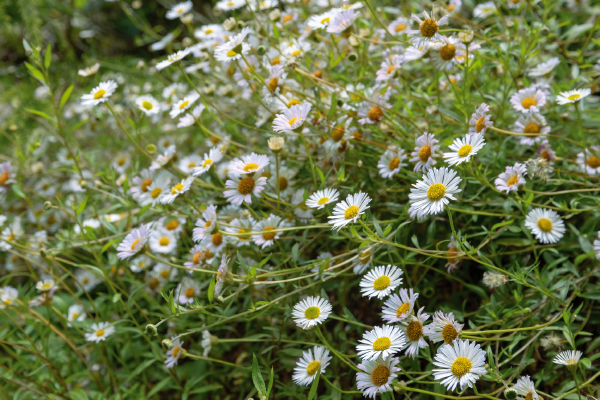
(65, 97)
(257, 378)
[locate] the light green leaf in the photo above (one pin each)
(257, 378)
(315, 384)
(65, 97)
(48, 56)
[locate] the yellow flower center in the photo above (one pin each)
(528, 102)
(593, 162)
(436, 191)
(191, 164)
(246, 186)
(292, 102)
(276, 61)
(75, 315)
(272, 85)
(207, 162)
(189, 293)
(184, 104)
(365, 257)
(325, 20)
(283, 183)
(375, 113)
(164, 273)
(171, 226)
(145, 184)
(461, 366)
(175, 351)
(574, 97)
(287, 18)
(147, 105)
(403, 309)
(164, 241)
(312, 312)
(529, 396)
(217, 239)
(448, 52)
(449, 333)
(86, 281)
(177, 188)
(135, 243)
(155, 192)
(351, 212)
(545, 224)
(380, 375)
(46, 286)
(100, 332)
(293, 120)
(250, 167)
(428, 28)
(394, 163)
(480, 124)
(231, 53)
(425, 153)
(207, 224)
(383, 343)
(323, 201)
(465, 150)
(208, 31)
(513, 180)
(382, 282)
(296, 53)
(313, 367)
(270, 235)
(196, 258)
(532, 128)
(400, 28)
(414, 330)
(390, 69)
(99, 94)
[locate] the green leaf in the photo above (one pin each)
(322, 267)
(107, 245)
(48, 56)
(321, 176)
(159, 386)
(211, 288)
(490, 357)
(270, 382)
(257, 378)
(36, 73)
(295, 252)
(18, 191)
(341, 175)
(39, 113)
(331, 114)
(586, 362)
(140, 368)
(65, 97)
(81, 206)
(378, 228)
(78, 394)
(315, 384)
(116, 297)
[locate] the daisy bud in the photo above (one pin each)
(359, 163)
(353, 41)
(466, 37)
(276, 144)
(229, 24)
(151, 148)
(510, 394)
(545, 30)
(187, 19)
(220, 299)
(140, 64)
(136, 4)
(186, 42)
(151, 330)
(47, 205)
(364, 32)
(121, 180)
(43, 254)
(240, 24)
(399, 387)
(183, 353)
(353, 57)
(261, 50)
(167, 344)
(275, 15)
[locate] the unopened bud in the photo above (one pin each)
(167, 344)
(276, 143)
(510, 393)
(359, 163)
(353, 57)
(545, 30)
(136, 4)
(47, 205)
(151, 330)
(186, 42)
(241, 24)
(275, 15)
(261, 50)
(187, 19)
(229, 24)
(353, 41)
(151, 148)
(466, 36)
(43, 254)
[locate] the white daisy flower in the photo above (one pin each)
(223, 273)
(546, 225)
(480, 119)
(206, 225)
(148, 104)
(190, 118)
(294, 50)
(173, 58)
(180, 106)
(187, 290)
(544, 68)
(228, 5)
(413, 328)
(99, 94)
(399, 26)
(428, 29)
(426, 148)
(390, 162)
(179, 10)
(462, 362)
(448, 51)
(389, 67)
(240, 190)
(484, 10)
(100, 332)
(208, 32)
(234, 48)
(45, 285)
(76, 312)
(207, 342)
(381, 281)
(398, 308)
(545, 151)
(569, 358)
(8, 295)
(241, 226)
(197, 257)
(310, 312)
(528, 100)
(163, 242)
(155, 190)
(213, 156)
(572, 96)
(249, 163)
(179, 188)
(188, 163)
(164, 272)
(349, 210)
(301, 211)
(364, 261)
(444, 328)
(532, 124)
(86, 280)
(321, 21)
(174, 354)
(133, 242)
(588, 162)
(383, 341)
(464, 148)
(89, 70)
(526, 389)
(308, 366)
(434, 191)
(512, 178)
(140, 263)
(292, 118)
(342, 21)
(267, 239)
(378, 376)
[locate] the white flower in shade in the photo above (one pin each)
(140, 263)
(597, 246)
(240, 190)
(532, 124)
(179, 10)
(364, 261)
(428, 29)
(99, 94)
(526, 389)
(233, 49)
(163, 241)
(390, 162)
(381, 281)
(452, 253)
(444, 328)
(321, 198)
(86, 280)
(45, 285)
(398, 308)
(207, 342)
(308, 366)
(148, 104)
(399, 26)
(206, 225)
(267, 226)
(546, 225)
(382, 341)
(179, 188)
(377, 377)
(133, 242)
(223, 273)
(164, 272)
(165, 158)
(213, 156)
(494, 279)
(89, 70)
(589, 162)
(462, 362)
(190, 118)
(349, 210)
(413, 53)
(208, 32)
(173, 58)
(342, 21)
(292, 118)
(183, 104)
(100, 332)
(389, 67)
(174, 354)
(8, 295)
(510, 180)
(528, 100)
(480, 119)
(569, 358)
(431, 194)
(76, 312)
(464, 148)
(484, 10)
(426, 148)
(241, 227)
(249, 163)
(188, 163)
(310, 312)
(197, 257)
(413, 328)
(544, 68)
(572, 96)
(154, 191)
(187, 290)
(321, 21)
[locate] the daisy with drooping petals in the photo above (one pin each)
(425, 152)
(545, 151)
(532, 124)
(148, 104)
(462, 362)
(179, 188)
(133, 242)
(292, 118)
(187, 290)
(179, 10)
(213, 156)
(173, 58)
(528, 100)
(413, 328)
(390, 162)
(464, 148)
(381, 281)
(308, 366)
(187, 164)
(321, 198)
(512, 178)
(240, 190)
(249, 163)
(452, 253)
(569, 358)
(163, 242)
(544, 68)
(480, 119)
(100, 332)
(428, 29)
(382, 341)
(398, 308)
(526, 389)
(89, 70)
(342, 21)
(8, 295)
(444, 328)
(190, 118)
(267, 226)
(572, 96)
(349, 210)
(378, 376)
(589, 162)
(448, 51)
(180, 106)
(431, 194)
(174, 354)
(206, 225)
(546, 225)
(99, 94)
(223, 274)
(234, 48)
(310, 312)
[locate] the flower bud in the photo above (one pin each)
(466, 36)
(151, 330)
(510, 393)
(241, 24)
(229, 24)
(275, 15)
(47, 205)
(186, 42)
(353, 57)
(43, 254)
(167, 344)
(276, 143)
(261, 50)
(187, 19)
